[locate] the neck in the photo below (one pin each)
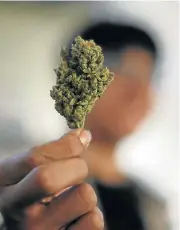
(103, 142)
(100, 136)
(101, 161)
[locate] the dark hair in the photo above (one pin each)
(113, 37)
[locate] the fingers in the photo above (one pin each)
(44, 181)
(72, 204)
(14, 169)
(92, 220)
(75, 209)
(70, 145)
(33, 218)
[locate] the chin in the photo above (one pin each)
(124, 131)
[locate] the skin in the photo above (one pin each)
(42, 172)
(118, 113)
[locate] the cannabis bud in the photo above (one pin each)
(81, 80)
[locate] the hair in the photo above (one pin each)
(114, 38)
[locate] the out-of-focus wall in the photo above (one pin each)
(30, 38)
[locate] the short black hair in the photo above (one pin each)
(113, 37)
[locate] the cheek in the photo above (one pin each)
(121, 109)
(113, 111)
(112, 102)
(105, 109)
(137, 111)
(129, 113)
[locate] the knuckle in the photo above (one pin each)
(33, 212)
(32, 159)
(88, 196)
(29, 212)
(97, 219)
(45, 181)
(36, 156)
(82, 168)
(74, 145)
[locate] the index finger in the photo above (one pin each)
(14, 169)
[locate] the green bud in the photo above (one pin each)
(81, 80)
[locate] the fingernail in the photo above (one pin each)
(99, 220)
(85, 137)
(100, 214)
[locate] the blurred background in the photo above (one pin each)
(31, 34)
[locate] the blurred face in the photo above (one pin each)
(127, 100)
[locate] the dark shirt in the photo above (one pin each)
(120, 207)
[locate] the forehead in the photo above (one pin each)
(136, 54)
(136, 61)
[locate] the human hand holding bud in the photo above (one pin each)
(44, 171)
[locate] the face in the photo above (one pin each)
(127, 100)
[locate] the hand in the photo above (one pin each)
(42, 172)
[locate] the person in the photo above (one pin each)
(131, 54)
(26, 179)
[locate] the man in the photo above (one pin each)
(131, 54)
(45, 170)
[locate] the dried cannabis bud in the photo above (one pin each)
(81, 80)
